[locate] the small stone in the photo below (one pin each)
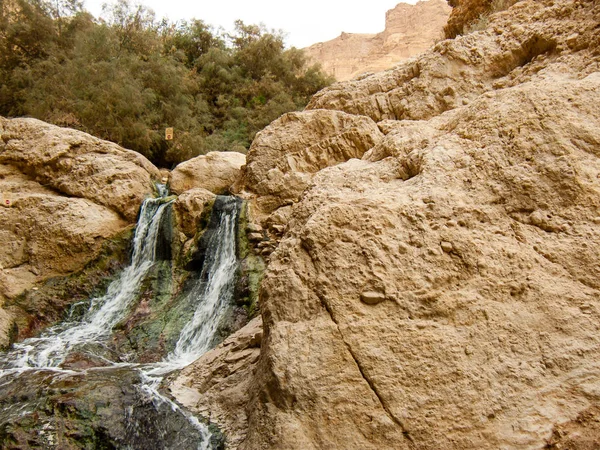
(468, 350)
(279, 229)
(372, 298)
(255, 236)
(447, 246)
(402, 248)
(253, 228)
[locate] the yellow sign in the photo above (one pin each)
(169, 134)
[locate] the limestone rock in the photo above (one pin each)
(372, 298)
(494, 333)
(284, 155)
(514, 49)
(6, 325)
(409, 30)
(45, 234)
(63, 194)
(477, 214)
(78, 165)
(219, 383)
(189, 208)
(215, 172)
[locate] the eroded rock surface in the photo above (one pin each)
(76, 164)
(409, 30)
(218, 385)
(215, 172)
(440, 289)
(285, 155)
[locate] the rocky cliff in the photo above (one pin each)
(436, 278)
(409, 30)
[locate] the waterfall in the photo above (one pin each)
(211, 296)
(51, 348)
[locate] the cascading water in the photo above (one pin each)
(211, 295)
(50, 349)
(212, 292)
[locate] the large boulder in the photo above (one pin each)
(215, 172)
(480, 246)
(285, 155)
(76, 164)
(219, 384)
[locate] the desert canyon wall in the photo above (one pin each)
(409, 30)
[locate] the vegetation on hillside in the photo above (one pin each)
(128, 76)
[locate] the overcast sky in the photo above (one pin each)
(305, 22)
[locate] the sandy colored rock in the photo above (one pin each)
(409, 30)
(285, 155)
(500, 331)
(76, 164)
(215, 172)
(45, 234)
(476, 212)
(6, 325)
(520, 44)
(189, 208)
(218, 385)
(63, 193)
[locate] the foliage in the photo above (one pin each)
(127, 76)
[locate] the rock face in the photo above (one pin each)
(77, 164)
(218, 385)
(63, 194)
(284, 156)
(215, 172)
(409, 30)
(439, 289)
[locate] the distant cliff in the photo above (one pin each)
(409, 30)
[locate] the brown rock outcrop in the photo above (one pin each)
(284, 156)
(218, 385)
(63, 194)
(189, 208)
(409, 30)
(215, 172)
(472, 230)
(78, 165)
(466, 13)
(520, 44)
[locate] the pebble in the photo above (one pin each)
(253, 228)
(372, 298)
(447, 246)
(255, 236)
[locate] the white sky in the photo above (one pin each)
(306, 21)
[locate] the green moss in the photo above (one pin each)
(252, 268)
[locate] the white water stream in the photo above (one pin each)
(212, 296)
